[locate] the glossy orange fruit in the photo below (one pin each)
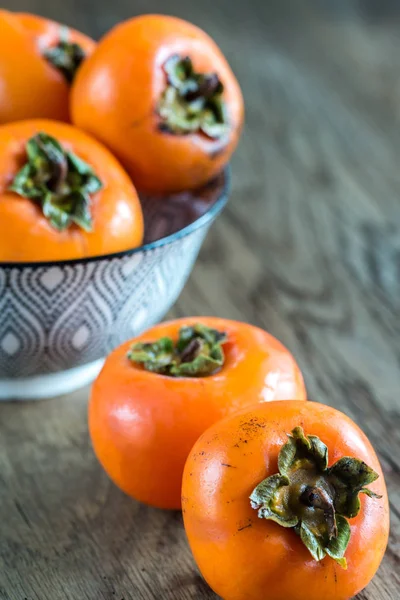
(62, 195)
(38, 60)
(147, 409)
(265, 517)
(161, 95)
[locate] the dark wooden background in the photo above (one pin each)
(309, 248)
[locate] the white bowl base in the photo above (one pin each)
(48, 386)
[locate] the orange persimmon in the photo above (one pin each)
(62, 195)
(157, 393)
(39, 59)
(159, 93)
(287, 500)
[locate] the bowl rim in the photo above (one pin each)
(211, 213)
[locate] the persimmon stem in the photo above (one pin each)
(192, 350)
(59, 181)
(312, 498)
(58, 165)
(317, 497)
(66, 56)
(207, 88)
(192, 102)
(197, 353)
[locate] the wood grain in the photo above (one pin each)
(309, 249)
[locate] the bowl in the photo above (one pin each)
(59, 320)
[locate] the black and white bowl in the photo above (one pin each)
(59, 320)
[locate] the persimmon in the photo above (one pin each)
(39, 59)
(157, 393)
(62, 195)
(158, 91)
(286, 500)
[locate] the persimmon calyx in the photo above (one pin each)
(65, 56)
(59, 181)
(312, 498)
(197, 353)
(192, 102)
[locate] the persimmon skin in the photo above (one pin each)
(115, 98)
(46, 32)
(30, 86)
(26, 235)
(143, 425)
(243, 557)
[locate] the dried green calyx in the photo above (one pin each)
(58, 181)
(65, 56)
(311, 498)
(192, 102)
(197, 353)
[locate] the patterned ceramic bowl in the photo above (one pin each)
(59, 320)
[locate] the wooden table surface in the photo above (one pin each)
(308, 248)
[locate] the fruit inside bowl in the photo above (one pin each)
(101, 221)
